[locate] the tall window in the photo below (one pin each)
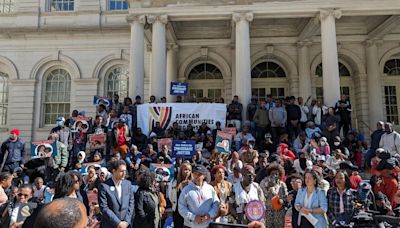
(205, 71)
(392, 67)
(7, 6)
(117, 5)
(392, 114)
(57, 95)
(267, 70)
(117, 82)
(3, 98)
(62, 5)
(262, 93)
(343, 71)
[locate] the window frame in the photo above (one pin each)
(122, 2)
(396, 105)
(106, 80)
(216, 69)
(52, 3)
(267, 62)
(397, 68)
(5, 104)
(44, 91)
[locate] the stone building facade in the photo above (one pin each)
(55, 55)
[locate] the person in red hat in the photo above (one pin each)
(13, 153)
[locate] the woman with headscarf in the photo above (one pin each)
(275, 193)
(223, 189)
(147, 203)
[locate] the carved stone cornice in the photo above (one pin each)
(139, 18)
(151, 19)
(236, 17)
(330, 12)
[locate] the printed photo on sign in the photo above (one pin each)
(81, 124)
(223, 142)
(164, 141)
(183, 149)
(97, 100)
(97, 141)
(165, 172)
(86, 166)
(42, 149)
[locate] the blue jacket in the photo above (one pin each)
(113, 209)
(318, 201)
(16, 151)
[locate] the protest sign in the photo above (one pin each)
(43, 148)
(185, 149)
(223, 142)
(97, 141)
(113, 123)
(182, 113)
(81, 124)
(164, 141)
(97, 100)
(179, 88)
(165, 172)
(85, 167)
(230, 130)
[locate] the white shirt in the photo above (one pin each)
(118, 188)
(341, 204)
(307, 200)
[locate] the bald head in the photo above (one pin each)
(64, 212)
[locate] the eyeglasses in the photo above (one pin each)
(24, 195)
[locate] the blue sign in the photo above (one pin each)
(179, 88)
(97, 100)
(169, 222)
(183, 149)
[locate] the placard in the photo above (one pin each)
(230, 130)
(223, 142)
(43, 148)
(81, 124)
(97, 100)
(164, 141)
(179, 88)
(185, 149)
(165, 172)
(255, 210)
(97, 141)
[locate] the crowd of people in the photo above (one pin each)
(300, 159)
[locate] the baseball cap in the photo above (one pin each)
(200, 169)
(267, 135)
(122, 120)
(321, 158)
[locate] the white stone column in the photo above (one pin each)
(331, 81)
(158, 77)
(375, 104)
(136, 64)
(172, 70)
(242, 59)
(304, 69)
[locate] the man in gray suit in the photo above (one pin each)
(116, 198)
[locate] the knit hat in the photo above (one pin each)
(15, 131)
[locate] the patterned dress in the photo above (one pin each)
(274, 218)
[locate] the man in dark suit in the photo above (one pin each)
(116, 198)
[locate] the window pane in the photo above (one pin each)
(7, 6)
(62, 5)
(392, 108)
(57, 95)
(3, 98)
(343, 70)
(117, 5)
(117, 82)
(205, 71)
(267, 70)
(392, 67)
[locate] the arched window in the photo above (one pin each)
(392, 67)
(117, 82)
(57, 95)
(205, 71)
(267, 70)
(3, 98)
(343, 71)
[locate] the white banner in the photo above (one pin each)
(182, 113)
